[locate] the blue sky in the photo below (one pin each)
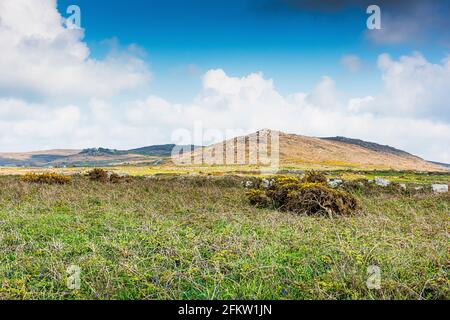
(295, 47)
(140, 71)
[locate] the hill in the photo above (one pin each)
(150, 155)
(304, 151)
(294, 151)
(164, 150)
(370, 145)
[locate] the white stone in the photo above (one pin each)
(440, 188)
(382, 182)
(265, 183)
(248, 184)
(334, 183)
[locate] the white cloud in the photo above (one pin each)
(23, 124)
(413, 87)
(325, 95)
(251, 86)
(39, 57)
(356, 104)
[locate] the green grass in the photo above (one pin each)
(198, 238)
(244, 170)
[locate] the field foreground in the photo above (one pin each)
(199, 238)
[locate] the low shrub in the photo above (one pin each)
(358, 185)
(365, 187)
(46, 178)
(311, 198)
(314, 177)
(104, 176)
(282, 188)
(115, 178)
(317, 199)
(98, 175)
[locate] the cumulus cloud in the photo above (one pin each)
(413, 87)
(41, 58)
(21, 123)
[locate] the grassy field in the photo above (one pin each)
(247, 170)
(199, 238)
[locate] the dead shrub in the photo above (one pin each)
(46, 178)
(311, 198)
(104, 176)
(317, 199)
(314, 177)
(98, 175)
